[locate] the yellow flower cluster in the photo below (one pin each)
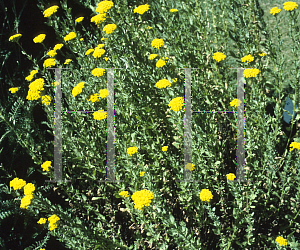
(17, 183)
(13, 38)
(124, 193)
(149, 28)
(176, 103)
(247, 58)
(163, 83)
(141, 9)
(160, 63)
(173, 10)
(294, 145)
(230, 176)
(235, 103)
(48, 12)
(109, 28)
(31, 75)
(190, 166)
(165, 148)
(26, 201)
(274, 11)
(49, 63)
(78, 89)
(218, 56)
(42, 221)
(251, 72)
(70, 36)
(104, 6)
(157, 43)
(46, 99)
(79, 19)
(94, 98)
(52, 53)
(67, 61)
(281, 241)
(142, 174)
(28, 190)
(34, 89)
(289, 6)
(13, 90)
(262, 54)
(53, 219)
(103, 93)
(98, 52)
(39, 39)
(205, 195)
(152, 56)
(131, 150)
(98, 18)
(98, 72)
(100, 115)
(142, 198)
(58, 46)
(89, 51)
(45, 166)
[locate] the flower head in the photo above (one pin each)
(17, 183)
(190, 166)
(163, 83)
(46, 99)
(70, 36)
(289, 6)
(251, 73)
(29, 188)
(49, 63)
(78, 89)
(89, 51)
(218, 56)
(52, 53)
(13, 90)
(53, 219)
(174, 80)
(142, 198)
(281, 241)
(98, 72)
(141, 9)
(131, 150)
(262, 54)
(98, 18)
(26, 201)
(274, 11)
(42, 221)
(58, 46)
(157, 43)
(142, 174)
(176, 103)
(103, 93)
(98, 52)
(94, 98)
(109, 28)
(165, 148)
(160, 63)
(14, 38)
(230, 176)
(235, 103)
(67, 61)
(152, 56)
(39, 39)
(34, 89)
(79, 19)
(48, 12)
(124, 193)
(45, 166)
(31, 75)
(173, 10)
(149, 28)
(247, 58)
(205, 195)
(104, 6)
(100, 115)
(294, 145)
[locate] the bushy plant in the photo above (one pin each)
(148, 209)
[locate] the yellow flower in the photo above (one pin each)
(163, 83)
(31, 75)
(98, 18)
(68, 61)
(294, 145)
(141, 9)
(157, 43)
(173, 10)
(26, 200)
(100, 45)
(235, 103)
(29, 188)
(124, 193)
(78, 89)
(247, 58)
(49, 63)
(205, 195)
(98, 72)
(149, 28)
(98, 52)
(251, 72)
(103, 93)
(89, 51)
(81, 39)
(131, 150)
(70, 36)
(79, 19)
(218, 56)
(48, 12)
(55, 84)
(45, 166)
(262, 54)
(13, 90)
(142, 174)
(176, 103)
(104, 6)
(51, 53)
(103, 38)
(190, 166)
(34, 89)
(39, 39)
(46, 99)
(109, 28)
(152, 56)
(174, 80)
(94, 98)
(230, 177)
(100, 115)
(281, 241)
(142, 198)
(289, 6)
(274, 11)
(42, 221)
(160, 63)
(14, 38)
(106, 58)
(165, 148)
(17, 183)
(58, 46)
(53, 219)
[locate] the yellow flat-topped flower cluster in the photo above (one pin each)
(48, 12)
(142, 199)
(28, 188)
(34, 89)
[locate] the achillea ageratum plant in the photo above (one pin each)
(17, 183)
(230, 176)
(176, 104)
(100, 115)
(45, 166)
(31, 75)
(98, 72)
(218, 56)
(13, 90)
(131, 150)
(206, 195)
(15, 37)
(79, 19)
(275, 10)
(70, 36)
(289, 6)
(53, 219)
(124, 193)
(163, 83)
(48, 63)
(51, 10)
(235, 103)
(281, 241)
(157, 43)
(142, 9)
(40, 38)
(142, 199)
